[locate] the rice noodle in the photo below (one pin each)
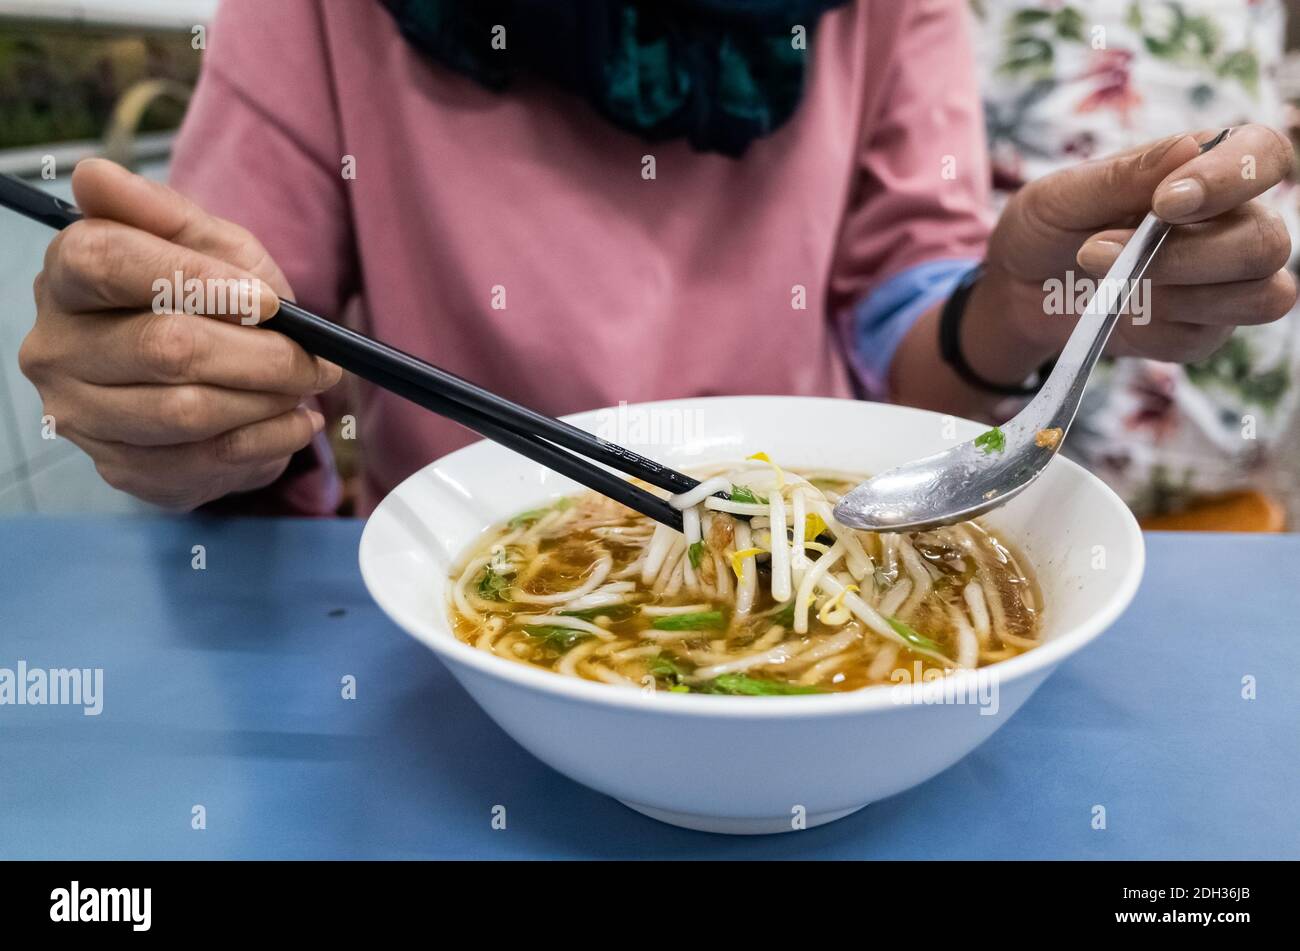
(809, 584)
(1015, 640)
(916, 570)
(992, 597)
(595, 577)
(633, 569)
(968, 645)
(672, 567)
(721, 577)
(889, 555)
(748, 583)
(599, 599)
(827, 646)
(693, 497)
(562, 620)
(818, 671)
(665, 610)
(569, 663)
(617, 533)
(458, 590)
(780, 556)
(833, 613)
(485, 639)
(691, 532)
(798, 529)
(533, 568)
(973, 595)
(661, 542)
(502, 646)
(883, 662)
(858, 560)
(677, 578)
(868, 616)
(735, 508)
(629, 653)
(601, 672)
(654, 634)
(776, 655)
(771, 637)
(894, 598)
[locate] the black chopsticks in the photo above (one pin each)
(405, 380)
(547, 441)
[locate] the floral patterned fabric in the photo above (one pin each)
(1066, 81)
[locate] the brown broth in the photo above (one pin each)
(554, 550)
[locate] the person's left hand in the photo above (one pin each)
(1222, 267)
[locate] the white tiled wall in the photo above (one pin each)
(36, 474)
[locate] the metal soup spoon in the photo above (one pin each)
(971, 479)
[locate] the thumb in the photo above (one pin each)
(1046, 222)
(104, 189)
(1107, 191)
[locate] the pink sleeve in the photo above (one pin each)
(260, 146)
(922, 189)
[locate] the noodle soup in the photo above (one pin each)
(763, 594)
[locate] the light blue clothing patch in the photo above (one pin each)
(882, 319)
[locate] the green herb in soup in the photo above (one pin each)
(741, 685)
(587, 588)
(699, 620)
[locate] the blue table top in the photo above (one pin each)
(221, 688)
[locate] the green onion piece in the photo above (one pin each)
(743, 493)
(615, 612)
(740, 685)
(666, 667)
(526, 518)
(493, 586)
(995, 440)
(679, 688)
(910, 634)
(532, 515)
(561, 639)
(695, 553)
(689, 622)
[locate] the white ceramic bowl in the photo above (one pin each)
(749, 764)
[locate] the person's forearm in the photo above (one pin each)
(997, 342)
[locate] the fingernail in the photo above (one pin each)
(317, 420)
(268, 302)
(96, 161)
(327, 374)
(1179, 199)
(1158, 151)
(1096, 257)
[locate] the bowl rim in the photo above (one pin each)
(443, 642)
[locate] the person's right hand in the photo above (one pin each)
(176, 409)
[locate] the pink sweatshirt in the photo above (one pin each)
(614, 287)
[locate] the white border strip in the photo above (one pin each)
(153, 14)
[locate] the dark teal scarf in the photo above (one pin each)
(720, 73)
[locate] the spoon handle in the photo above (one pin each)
(1063, 390)
(1057, 402)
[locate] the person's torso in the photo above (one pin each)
(519, 240)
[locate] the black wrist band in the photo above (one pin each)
(950, 343)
